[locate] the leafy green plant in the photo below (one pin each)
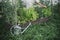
(46, 12)
(25, 15)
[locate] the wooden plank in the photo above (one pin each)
(38, 21)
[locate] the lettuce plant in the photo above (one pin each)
(25, 15)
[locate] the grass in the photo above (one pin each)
(44, 31)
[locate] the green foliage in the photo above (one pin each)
(9, 12)
(47, 12)
(43, 31)
(25, 15)
(44, 12)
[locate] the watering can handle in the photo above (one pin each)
(26, 28)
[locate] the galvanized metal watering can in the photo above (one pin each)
(16, 29)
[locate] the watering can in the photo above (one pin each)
(16, 29)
